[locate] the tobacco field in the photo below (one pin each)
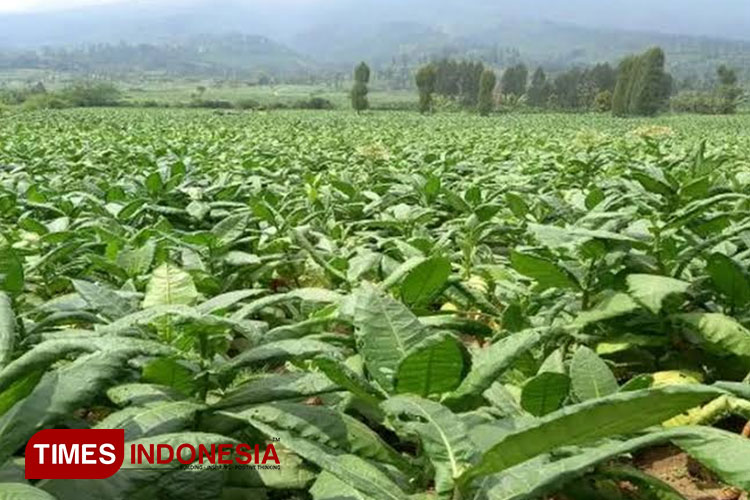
(410, 307)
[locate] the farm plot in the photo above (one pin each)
(410, 307)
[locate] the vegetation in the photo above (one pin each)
(410, 308)
(722, 100)
(643, 87)
(359, 90)
(514, 80)
(486, 92)
(425, 80)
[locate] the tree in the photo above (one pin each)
(486, 88)
(729, 93)
(540, 89)
(514, 80)
(425, 79)
(359, 90)
(643, 87)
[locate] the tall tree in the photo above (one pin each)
(539, 90)
(514, 80)
(729, 92)
(359, 90)
(643, 87)
(486, 89)
(425, 79)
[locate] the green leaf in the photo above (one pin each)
(329, 487)
(341, 374)
(138, 261)
(351, 470)
(590, 375)
(281, 350)
(651, 290)
(11, 272)
(435, 366)
(613, 306)
(169, 285)
(720, 333)
(7, 331)
(425, 281)
(517, 205)
(141, 422)
(547, 473)
(618, 413)
(59, 393)
(545, 393)
(442, 434)
(229, 229)
(498, 358)
(545, 272)
(729, 279)
(325, 426)
(660, 489)
(20, 491)
(172, 373)
(102, 299)
(726, 454)
(267, 388)
(388, 332)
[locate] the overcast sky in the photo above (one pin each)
(36, 5)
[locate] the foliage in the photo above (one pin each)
(425, 79)
(359, 90)
(486, 92)
(643, 87)
(413, 312)
(514, 80)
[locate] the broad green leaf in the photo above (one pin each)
(329, 487)
(229, 229)
(102, 299)
(720, 333)
(729, 279)
(7, 330)
(142, 422)
(137, 261)
(228, 299)
(612, 415)
(615, 305)
(281, 350)
(545, 393)
(547, 473)
(325, 426)
(169, 285)
(425, 281)
(499, 357)
(11, 272)
(350, 469)
(441, 433)
(545, 272)
(138, 394)
(339, 373)
(433, 367)
(20, 491)
(171, 372)
(58, 393)
(591, 377)
(725, 453)
(644, 482)
(388, 332)
(651, 290)
(268, 388)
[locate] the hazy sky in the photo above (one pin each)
(29, 5)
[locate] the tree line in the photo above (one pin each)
(638, 86)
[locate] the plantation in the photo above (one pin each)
(449, 306)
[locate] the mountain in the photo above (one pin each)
(314, 35)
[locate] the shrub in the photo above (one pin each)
(314, 103)
(45, 101)
(93, 94)
(248, 104)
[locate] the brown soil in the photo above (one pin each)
(685, 475)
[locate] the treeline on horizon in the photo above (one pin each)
(638, 86)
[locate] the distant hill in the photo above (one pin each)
(324, 36)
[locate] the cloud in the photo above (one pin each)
(37, 5)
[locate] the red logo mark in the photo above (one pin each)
(75, 453)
